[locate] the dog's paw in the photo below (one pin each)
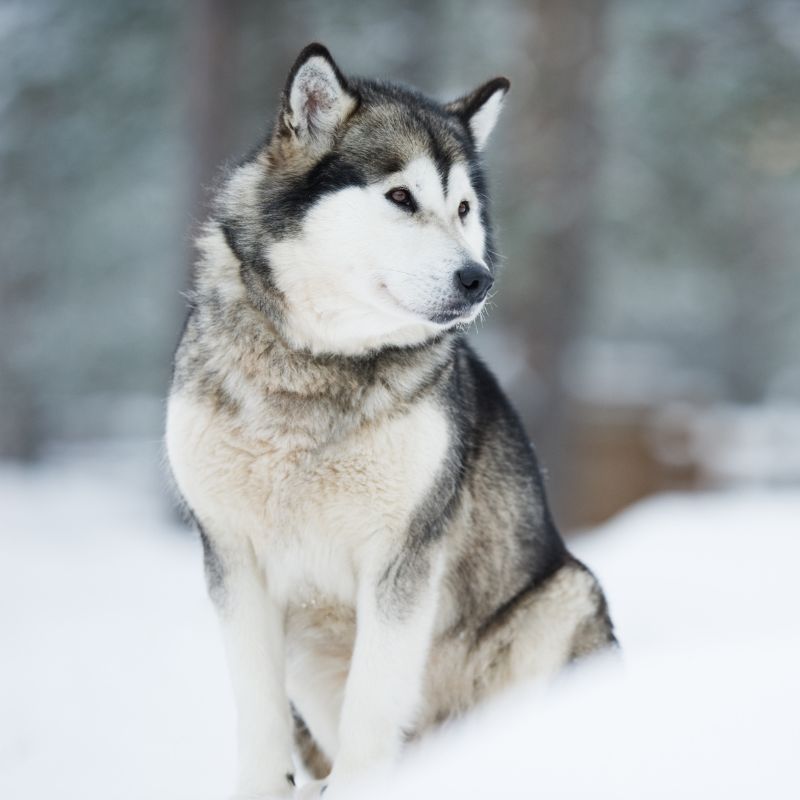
(313, 790)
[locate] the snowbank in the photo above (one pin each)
(113, 683)
(704, 702)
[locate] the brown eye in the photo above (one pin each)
(402, 197)
(463, 209)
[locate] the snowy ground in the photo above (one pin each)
(112, 683)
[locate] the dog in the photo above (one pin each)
(377, 541)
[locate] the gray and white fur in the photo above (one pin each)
(377, 540)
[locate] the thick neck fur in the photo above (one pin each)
(233, 355)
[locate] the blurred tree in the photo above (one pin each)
(646, 173)
(212, 28)
(558, 168)
(20, 418)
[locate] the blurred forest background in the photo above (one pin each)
(646, 182)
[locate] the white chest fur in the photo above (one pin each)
(313, 512)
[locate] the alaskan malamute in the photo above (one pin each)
(377, 540)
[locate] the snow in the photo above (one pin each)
(112, 681)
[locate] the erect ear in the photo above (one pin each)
(316, 100)
(480, 109)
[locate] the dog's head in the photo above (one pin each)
(362, 221)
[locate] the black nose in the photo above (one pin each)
(474, 280)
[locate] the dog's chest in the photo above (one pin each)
(312, 505)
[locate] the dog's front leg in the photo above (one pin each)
(253, 632)
(396, 608)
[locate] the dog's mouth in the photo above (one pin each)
(453, 315)
(446, 315)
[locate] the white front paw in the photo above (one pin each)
(312, 790)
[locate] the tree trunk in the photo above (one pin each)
(212, 32)
(567, 51)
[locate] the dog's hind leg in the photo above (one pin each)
(531, 638)
(312, 758)
(548, 627)
(319, 645)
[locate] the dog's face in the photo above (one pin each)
(363, 221)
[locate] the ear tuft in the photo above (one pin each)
(480, 109)
(316, 99)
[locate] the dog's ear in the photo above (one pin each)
(315, 102)
(480, 109)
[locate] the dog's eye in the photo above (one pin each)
(400, 196)
(463, 209)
